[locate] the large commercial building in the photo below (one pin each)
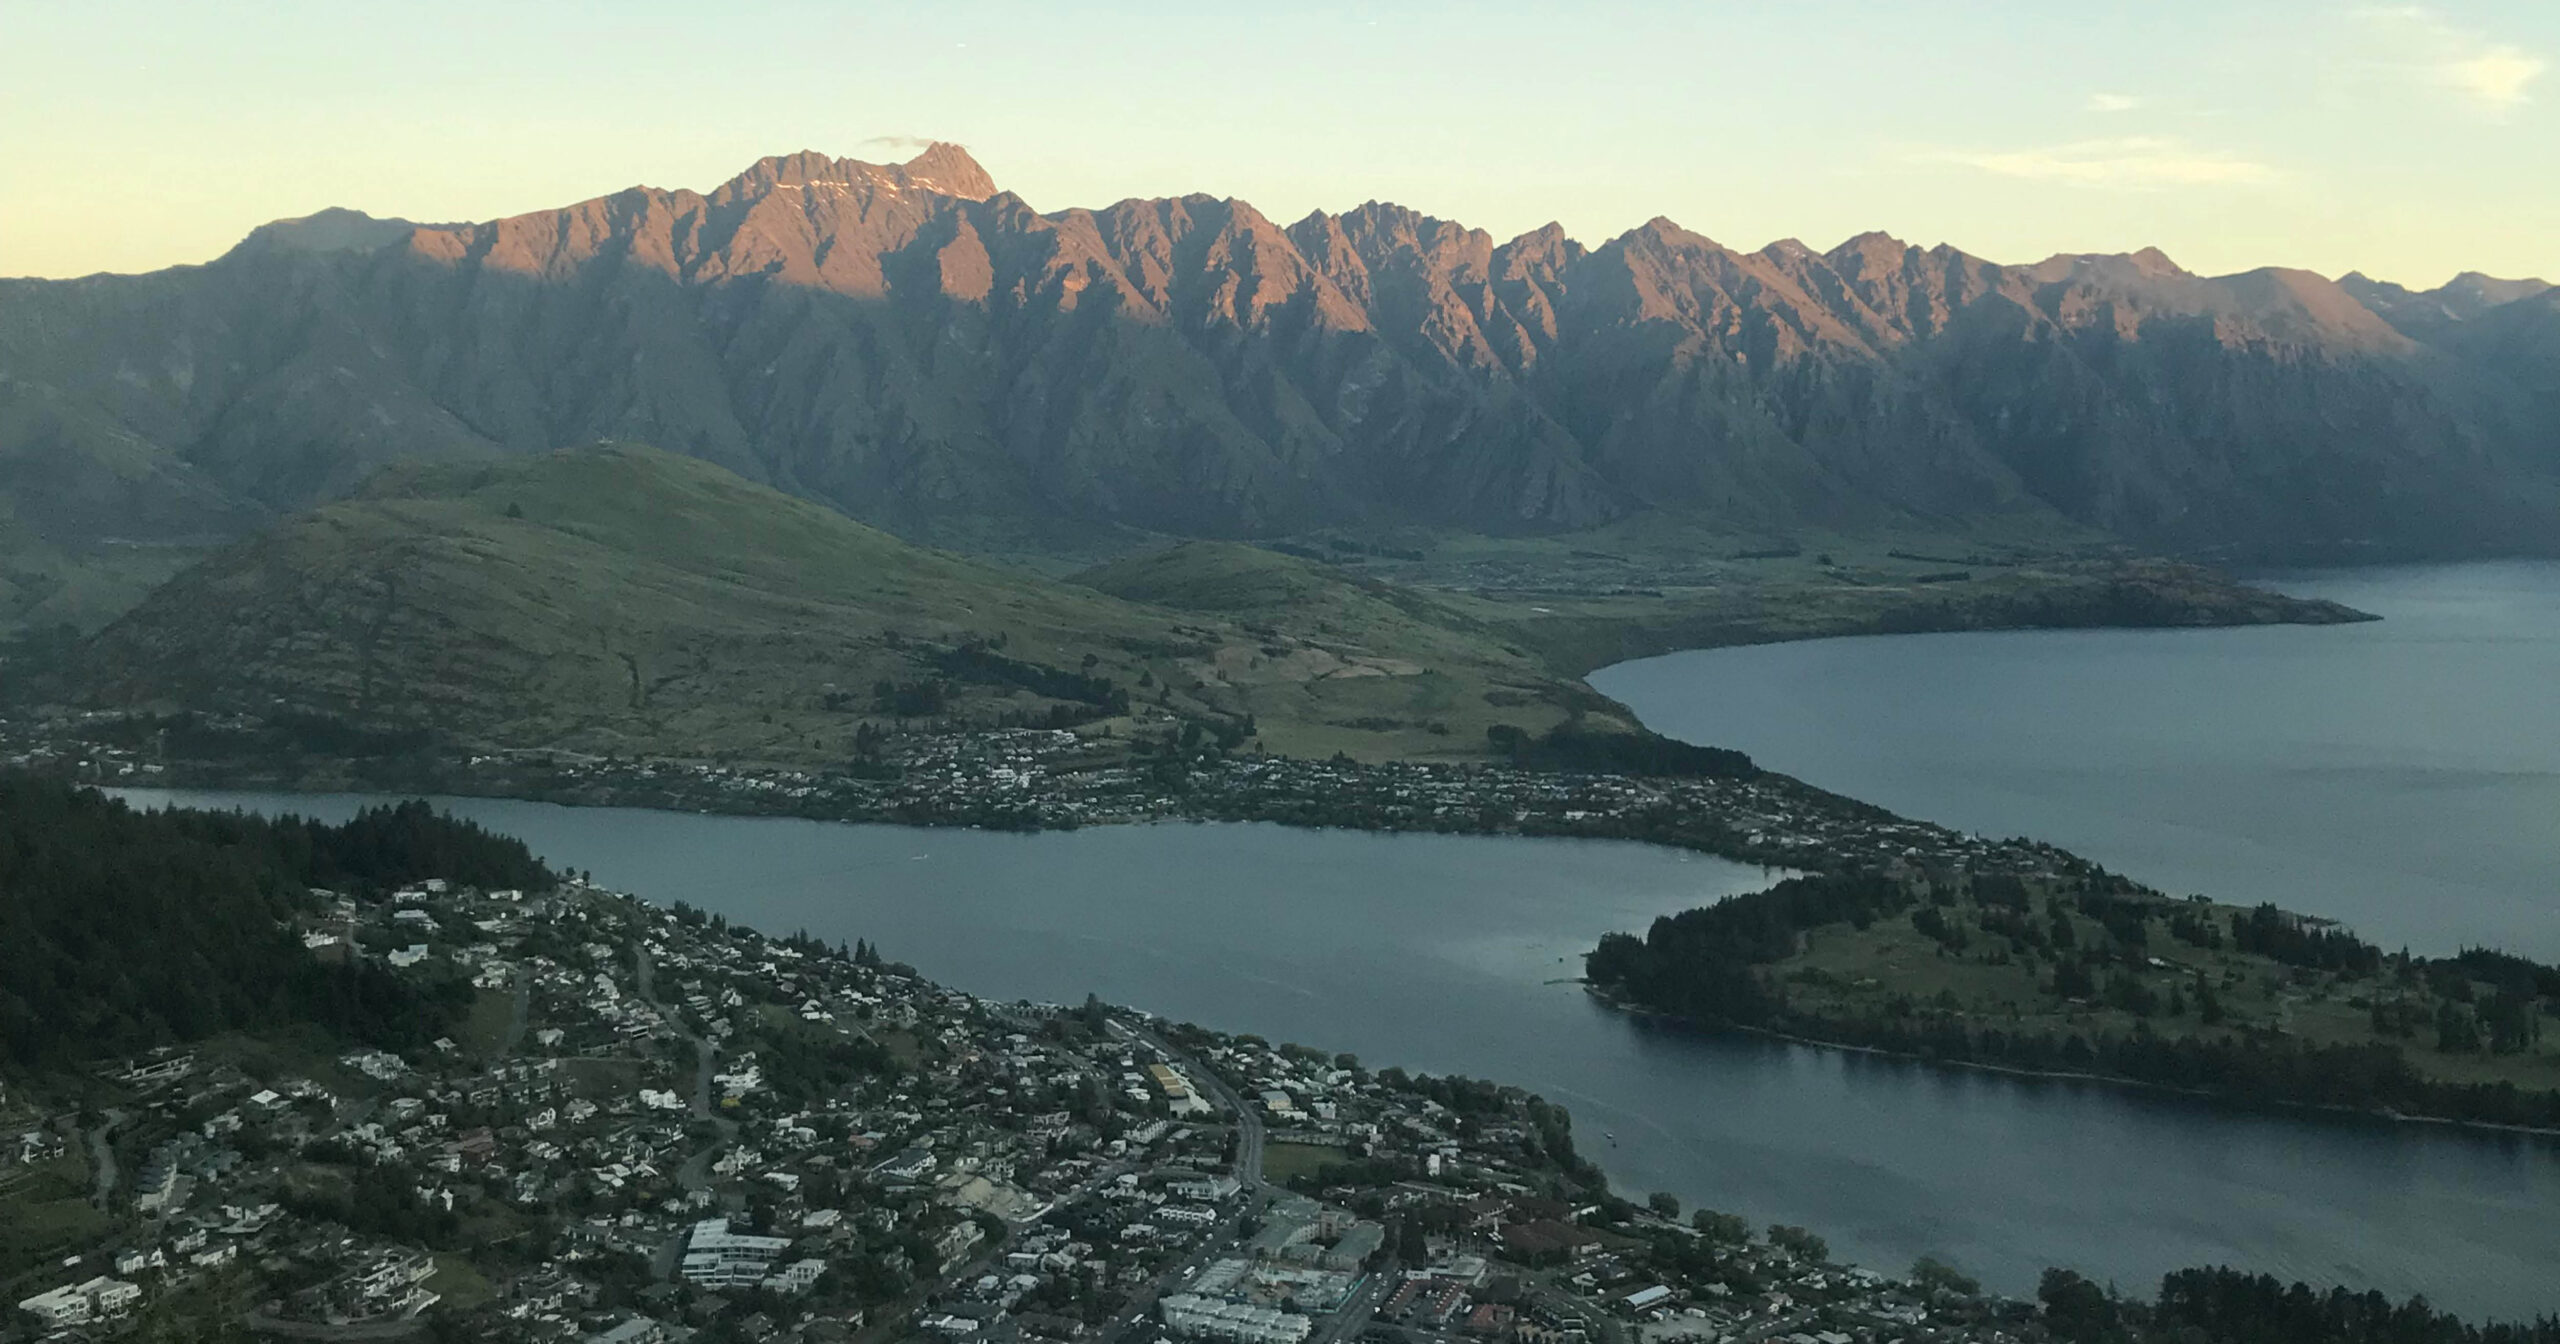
(79, 1303)
(1196, 1317)
(715, 1257)
(1310, 1291)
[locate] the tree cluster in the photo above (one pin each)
(2227, 1306)
(1711, 965)
(1701, 963)
(121, 930)
(1572, 748)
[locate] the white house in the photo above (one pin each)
(795, 1278)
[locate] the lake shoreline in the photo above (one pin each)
(748, 807)
(2399, 776)
(1763, 818)
(2261, 1106)
(1433, 952)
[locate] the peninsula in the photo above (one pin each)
(438, 1090)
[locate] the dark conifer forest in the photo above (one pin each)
(123, 929)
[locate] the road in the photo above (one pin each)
(1785, 1325)
(1222, 1241)
(102, 1159)
(706, 1061)
(264, 1324)
(519, 1014)
(695, 1173)
(894, 1321)
(1248, 1164)
(1098, 1180)
(1227, 1236)
(1354, 1316)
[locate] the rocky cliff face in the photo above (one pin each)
(917, 348)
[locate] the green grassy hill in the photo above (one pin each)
(618, 599)
(45, 588)
(1335, 661)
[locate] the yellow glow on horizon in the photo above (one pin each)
(2408, 143)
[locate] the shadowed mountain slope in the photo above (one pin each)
(912, 346)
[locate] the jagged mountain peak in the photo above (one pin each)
(2489, 291)
(2308, 307)
(951, 170)
(2153, 261)
(1546, 250)
(916, 347)
(2428, 314)
(336, 229)
(1387, 214)
(1870, 251)
(1872, 240)
(1378, 228)
(1663, 235)
(2149, 263)
(942, 169)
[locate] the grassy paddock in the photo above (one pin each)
(1283, 1161)
(484, 1032)
(461, 1286)
(43, 1210)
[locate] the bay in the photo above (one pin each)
(2402, 776)
(1448, 954)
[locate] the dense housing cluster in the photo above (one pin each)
(500, 1105)
(652, 1124)
(1047, 779)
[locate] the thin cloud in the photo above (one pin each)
(2119, 163)
(2113, 102)
(897, 142)
(2498, 77)
(2489, 76)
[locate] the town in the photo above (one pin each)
(1051, 779)
(657, 1126)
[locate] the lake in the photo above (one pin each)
(1447, 954)
(2401, 775)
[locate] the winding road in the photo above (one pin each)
(696, 1171)
(102, 1159)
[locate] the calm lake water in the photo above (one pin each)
(2401, 775)
(1445, 954)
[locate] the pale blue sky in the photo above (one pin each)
(2410, 142)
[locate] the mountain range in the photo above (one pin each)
(913, 347)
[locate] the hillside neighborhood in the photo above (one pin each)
(657, 1126)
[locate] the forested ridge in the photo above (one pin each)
(123, 929)
(2229, 1306)
(2089, 956)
